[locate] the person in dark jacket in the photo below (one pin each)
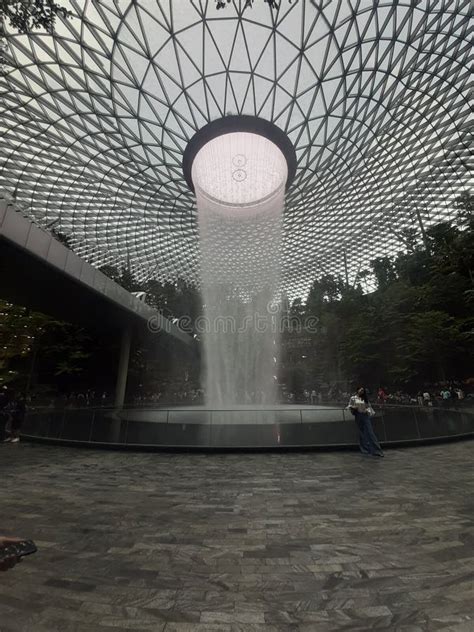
(6, 396)
(17, 410)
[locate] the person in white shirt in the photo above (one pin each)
(445, 394)
(363, 411)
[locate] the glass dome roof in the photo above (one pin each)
(373, 96)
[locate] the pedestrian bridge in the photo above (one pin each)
(39, 272)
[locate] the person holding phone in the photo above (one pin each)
(363, 411)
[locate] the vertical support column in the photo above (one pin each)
(422, 228)
(346, 270)
(122, 372)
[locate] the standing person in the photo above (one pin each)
(314, 396)
(6, 405)
(362, 411)
(445, 394)
(17, 410)
(5, 397)
(381, 396)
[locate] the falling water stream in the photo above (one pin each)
(240, 181)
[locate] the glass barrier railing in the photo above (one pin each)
(291, 426)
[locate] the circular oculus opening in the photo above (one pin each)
(240, 170)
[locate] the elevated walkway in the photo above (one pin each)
(39, 272)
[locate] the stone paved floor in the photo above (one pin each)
(238, 542)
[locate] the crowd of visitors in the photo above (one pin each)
(441, 394)
(431, 395)
(81, 399)
(189, 392)
(186, 393)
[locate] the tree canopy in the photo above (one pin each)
(416, 327)
(28, 15)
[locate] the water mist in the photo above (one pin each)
(239, 180)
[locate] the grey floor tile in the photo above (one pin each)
(238, 542)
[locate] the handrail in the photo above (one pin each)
(276, 427)
(184, 408)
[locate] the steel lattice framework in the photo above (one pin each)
(373, 95)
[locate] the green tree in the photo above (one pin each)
(384, 271)
(128, 280)
(416, 326)
(111, 271)
(40, 353)
(27, 15)
(62, 238)
(20, 330)
(123, 276)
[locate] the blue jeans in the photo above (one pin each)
(368, 442)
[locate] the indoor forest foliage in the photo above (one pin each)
(415, 328)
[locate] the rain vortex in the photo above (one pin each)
(239, 181)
